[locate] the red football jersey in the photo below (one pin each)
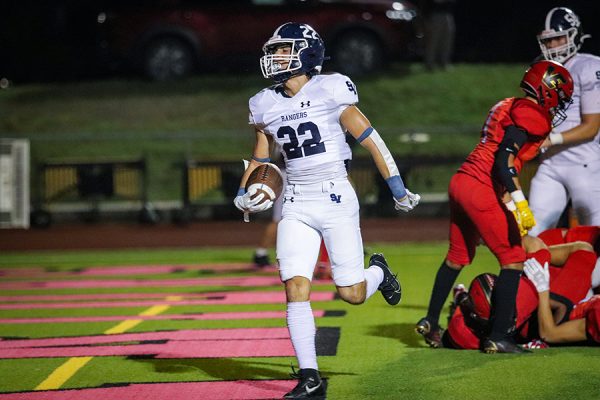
(592, 321)
(459, 334)
(523, 114)
(585, 233)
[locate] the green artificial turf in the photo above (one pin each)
(378, 357)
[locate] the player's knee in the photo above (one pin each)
(533, 244)
(297, 289)
(354, 299)
(355, 294)
(454, 265)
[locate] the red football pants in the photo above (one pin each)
(476, 212)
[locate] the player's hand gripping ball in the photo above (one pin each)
(263, 187)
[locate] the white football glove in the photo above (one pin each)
(538, 275)
(245, 202)
(408, 202)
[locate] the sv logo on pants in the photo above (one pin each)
(336, 198)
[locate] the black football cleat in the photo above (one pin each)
(507, 345)
(432, 336)
(390, 286)
(310, 385)
(261, 261)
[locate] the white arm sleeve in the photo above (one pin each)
(385, 153)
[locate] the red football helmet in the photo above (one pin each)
(480, 294)
(476, 304)
(551, 85)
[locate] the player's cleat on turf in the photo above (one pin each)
(506, 345)
(535, 344)
(261, 261)
(310, 385)
(432, 336)
(390, 286)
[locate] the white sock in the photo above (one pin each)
(301, 324)
(374, 277)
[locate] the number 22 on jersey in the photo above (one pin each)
(310, 146)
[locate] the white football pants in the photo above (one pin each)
(327, 209)
(552, 187)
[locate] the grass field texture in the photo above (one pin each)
(378, 355)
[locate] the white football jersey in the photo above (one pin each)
(307, 126)
(585, 70)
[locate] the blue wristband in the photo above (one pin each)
(365, 134)
(262, 160)
(396, 186)
(241, 191)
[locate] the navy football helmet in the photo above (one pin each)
(306, 55)
(561, 21)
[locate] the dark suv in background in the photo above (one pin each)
(170, 39)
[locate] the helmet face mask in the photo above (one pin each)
(551, 85)
(560, 53)
(561, 22)
(274, 63)
(305, 55)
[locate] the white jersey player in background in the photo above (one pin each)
(570, 167)
(307, 115)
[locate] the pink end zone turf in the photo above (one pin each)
(211, 299)
(185, 317)
(251, 281)
(159, 296)
(37, 272)
(207, 343)
(181, 335)
(170, 349)
(219, 390)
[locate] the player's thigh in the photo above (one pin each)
(584, 187)
(345, 248)
(463, 238)
(297, 248)
(342, 236)
(501, 235)
(495, 224)
(278, 204)
(547, 189)
(573, 280)
(464, 235)
(547, 198)
(278, 209)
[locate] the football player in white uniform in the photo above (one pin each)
(307, 115)
(570, 167)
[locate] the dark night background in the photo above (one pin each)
(55, 39)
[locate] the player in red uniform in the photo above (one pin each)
(512, 134)
(585, 323)
(572, 264)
